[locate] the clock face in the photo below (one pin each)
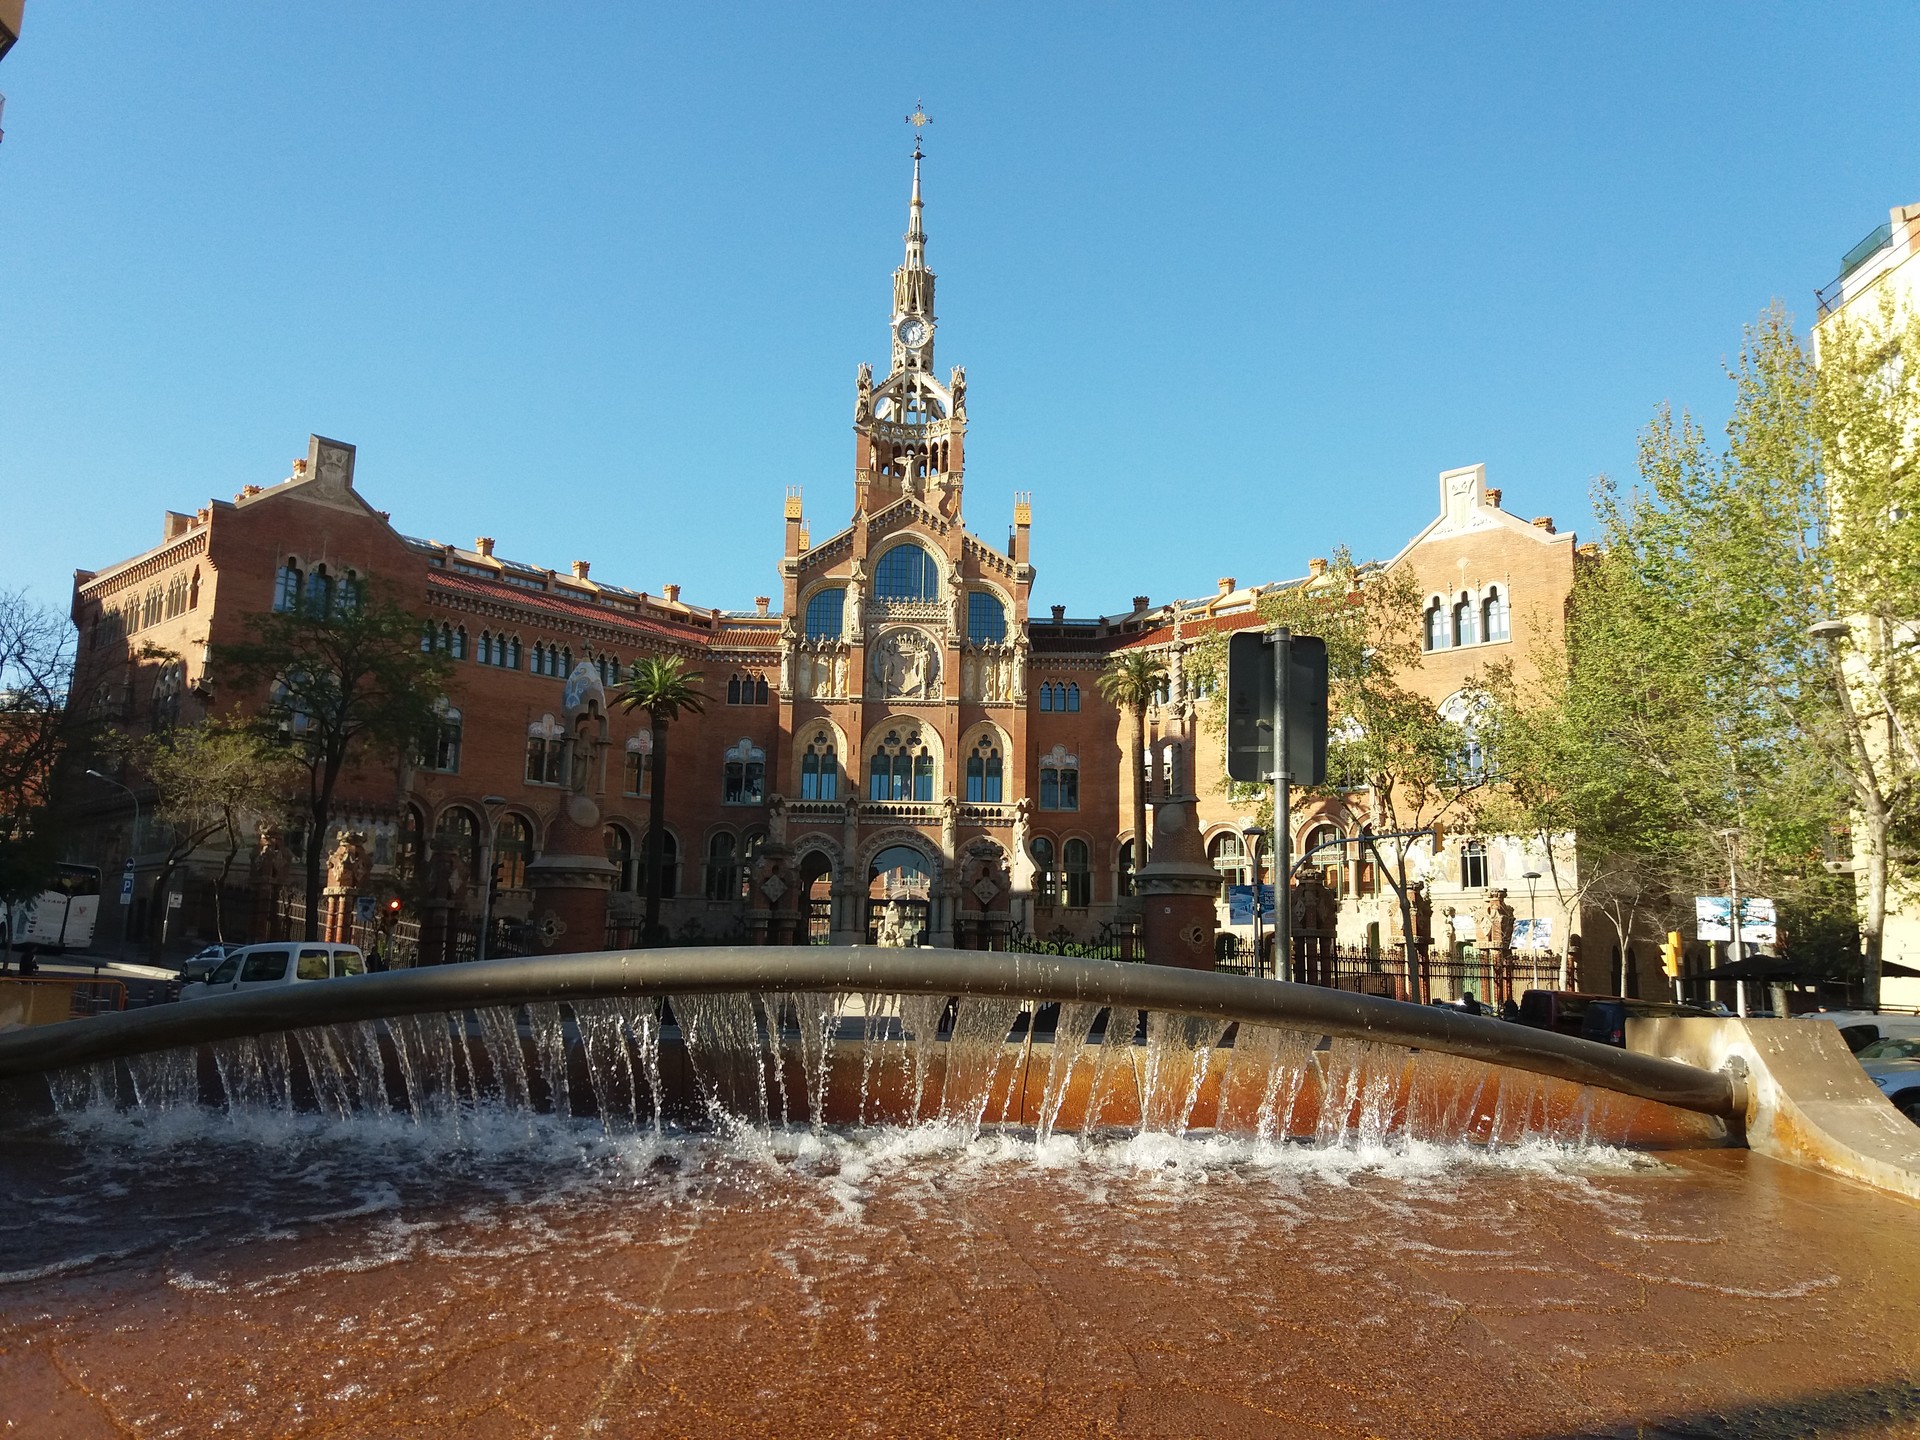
(913, 332)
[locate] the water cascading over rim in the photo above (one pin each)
(770, 1037)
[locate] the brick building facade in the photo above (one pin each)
(897, 726)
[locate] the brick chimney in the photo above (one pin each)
(484, 545)
(1316, 567)
(1226, 584)
(1493, 497)
(580, 568)
(1544, 522)
(1139, 603)
(761, 604)
(1059, 614)
(672, 593)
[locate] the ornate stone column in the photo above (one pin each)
(1178, 886)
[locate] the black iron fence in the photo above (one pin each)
(1115, 940)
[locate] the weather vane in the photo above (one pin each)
(919, 119)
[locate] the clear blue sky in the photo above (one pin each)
(1231, 284)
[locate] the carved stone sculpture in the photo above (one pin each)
(906, 666)
(347, 864)
(863, 394)
(272, 865)
(776, 819)
(1498, 926)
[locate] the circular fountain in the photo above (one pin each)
(896, 1192)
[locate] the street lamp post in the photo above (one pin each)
(133, 840)
(1732, 836)
(1532, 877)
(493, 805)
(1254, 835)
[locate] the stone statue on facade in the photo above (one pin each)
(776, 819)
(957, 388)
(840, 675)
(949, 826)
(856, 600)
(1422, 906)
(272, 865)
(1450, 931)
(863, 394)
(347, 864)
(1497, 927)
(957, 600)
(906, 667)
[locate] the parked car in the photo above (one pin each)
(1860, 1028)
(203, 963)
(1893, 1064)
(294, 962)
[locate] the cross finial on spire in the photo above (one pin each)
(919, 119)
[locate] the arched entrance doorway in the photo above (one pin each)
(816, 888)
(900, 873)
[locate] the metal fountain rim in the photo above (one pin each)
(868, 969)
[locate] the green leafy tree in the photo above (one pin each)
(1129, 683)
(212, 784)
(46, 731)
(1694, 723)
(346, 687)
(1387, 742)
(665, 689)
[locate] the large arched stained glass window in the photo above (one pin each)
(986, 617)
(906, 572)
(825, 612)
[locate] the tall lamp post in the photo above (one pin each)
(133, 840)
(1732, 836)
(494, 805)
(1254, 836)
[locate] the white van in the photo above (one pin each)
(285, 962)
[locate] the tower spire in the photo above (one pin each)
(916, 234)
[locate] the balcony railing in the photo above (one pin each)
(1831, 297)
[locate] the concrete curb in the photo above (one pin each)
(1808, 1100)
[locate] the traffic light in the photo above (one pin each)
(1670, 955)
(394, 907)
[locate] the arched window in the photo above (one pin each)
(1331, 862)
(669, 864)
(406, 854)
(637, 763)
(1228, 852)
(288, 586)
(723, 866)
(1464, 628)
(825, 614)
(513, 653)
(351, 591)
(986, 617)
(745, 773)
(320, 592)
(193, 590)
(1077, 862)
(1435, 628)
(1047, 877)
(1046, 696)
(1473, 865)
(166, 694)
(760, 690)
(1493, 615)
(459, 650)
(512, 849)
(620, 851)
(984, 772)
(820, 768)
(1124, 863)
(901, 767)
(545, 753)
(483, 652)
(1073, 697)
(459, 828)
(1468, 764)
(1059, 780)
(440, 749)
(906, 572)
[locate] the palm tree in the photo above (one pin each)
(663, 687)
(1131, 682)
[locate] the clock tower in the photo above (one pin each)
(910, 428)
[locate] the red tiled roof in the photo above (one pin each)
(560, 605)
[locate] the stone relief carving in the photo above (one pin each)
(820, 670)
(991, 672)
(863, 394)
(347, 865)
(906, 666)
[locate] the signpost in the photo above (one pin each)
(126, 883)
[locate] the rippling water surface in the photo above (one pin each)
(186, 1273)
